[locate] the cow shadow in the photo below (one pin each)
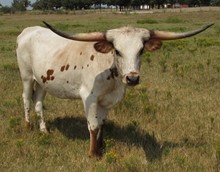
(76, 128)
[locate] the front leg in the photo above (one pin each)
(96, 142)
(95, 126)
(95, 115)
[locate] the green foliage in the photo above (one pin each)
(109, 144)
(174, 20)
(147, 21)
(178, 29)
(20, 143)
(147, 58)
(163, 64)
(20, 5)
(111, 157)
(206, 42)
(10, 67)
(130, 164)
(6, 10)
(68, 26)
(217, 28)
(215, 2)
(14, 122)
(44, 139)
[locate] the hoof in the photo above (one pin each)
(97, 155)
(27, 125)
(44, 131)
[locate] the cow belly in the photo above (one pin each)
(63, 91)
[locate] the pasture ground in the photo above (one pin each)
(170, 122)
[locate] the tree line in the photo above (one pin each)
(21, 5)
(122, 4)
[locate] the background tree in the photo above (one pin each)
(56, 3)
(20, 5)
(40, 5)
(123, 4)
(205, 2)
(215, 2)
(69, 4)
(79, 4)
(137, 3)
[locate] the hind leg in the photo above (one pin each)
(39, 95)
(27, 94)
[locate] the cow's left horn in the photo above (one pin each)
(87, 37)
(161, 35)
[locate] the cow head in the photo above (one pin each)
(128, 45)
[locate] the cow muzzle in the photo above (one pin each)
(132, 79)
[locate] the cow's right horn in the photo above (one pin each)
(161, 35)
(87, 37)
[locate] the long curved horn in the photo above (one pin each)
(161, 35)
(87, 37)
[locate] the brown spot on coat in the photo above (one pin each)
(87, 65)
(62, 68)
(67, 82)
(80, 53)
(75, 67)
(48, 76)
(67, 66)
(82, 67)
(50, 72)
(44, 79)
(113, 73)
(92, 57)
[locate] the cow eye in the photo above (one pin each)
(117, 53)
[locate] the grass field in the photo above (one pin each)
(170, 122)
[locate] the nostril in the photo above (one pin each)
(128, 78)
(132, 80)
(138, 78)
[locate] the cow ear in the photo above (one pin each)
(103, 46)
(153, 45)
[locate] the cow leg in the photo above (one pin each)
(95, 115)
(102, 113)
(38, 98)
(27, 94)
(95, 126)
(96, 142)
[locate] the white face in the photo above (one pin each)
(129, 46)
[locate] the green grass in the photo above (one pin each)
(148, 21)
(170, 122)
(174, 20)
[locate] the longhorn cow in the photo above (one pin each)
(95, 67)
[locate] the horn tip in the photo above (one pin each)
(49, 26)
(209, 25)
